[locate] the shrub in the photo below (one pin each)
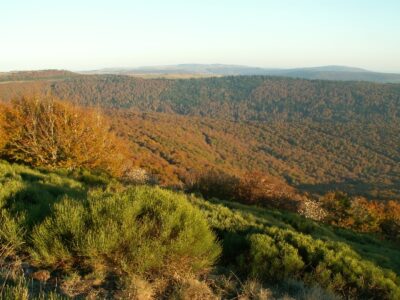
(271, 253)
(390, 224)
(338, 205)
(271, 259)
(213, 183)
(142, 230)
(44, 131)
(26, 197)
(266, 190)
(192, 289)
(363, 215)
(285, 254)
(23, 289)
(252, 188)
(11, 232)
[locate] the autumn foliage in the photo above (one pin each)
(363, 215)
(266, 190)
(336, 208)
(44, 131)
(213, 183)
(251, 188)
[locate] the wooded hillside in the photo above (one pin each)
(318, 135)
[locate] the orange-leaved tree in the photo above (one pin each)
(45, 131)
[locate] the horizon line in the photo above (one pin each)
(362, 69)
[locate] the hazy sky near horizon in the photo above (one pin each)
(88, 34)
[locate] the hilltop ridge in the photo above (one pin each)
(330, 72)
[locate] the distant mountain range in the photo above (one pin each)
(322, 73)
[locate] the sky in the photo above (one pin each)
(85, 35)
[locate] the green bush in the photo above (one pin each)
(26, 197)
(272, 259)
(23, 290)
(141, 230)
(280, 254)
(269, 247)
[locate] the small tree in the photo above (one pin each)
(44, 131)
(365, 215)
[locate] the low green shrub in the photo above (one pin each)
(271, 259)
(278, 254)
(142, 230)
(26, 197)
(11, 231)
(23, 290)
(270, 250)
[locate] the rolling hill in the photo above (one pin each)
(342, 73)
(318, 135)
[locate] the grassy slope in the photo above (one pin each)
(40, 189)
(20, 182)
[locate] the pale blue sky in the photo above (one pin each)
(86, 34)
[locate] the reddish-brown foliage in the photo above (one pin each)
(252, 188)
(213, 183)
(317, 134)
(366, 216)
(44, 131)
(338, 205)
(266, 190)
(363, 215)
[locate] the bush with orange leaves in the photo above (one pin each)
(262, 189)
(44, 131)
(253, 188)
(363, 215)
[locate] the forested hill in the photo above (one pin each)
(244, 98)
(340, 73)
(318, 135)
(36, 75)
(239, 98)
